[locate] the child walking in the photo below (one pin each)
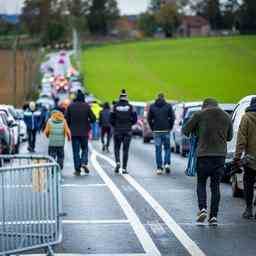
(57, 130)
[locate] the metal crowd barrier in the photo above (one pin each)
(30, 204)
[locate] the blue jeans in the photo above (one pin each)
(95, 131)
(80, 151)
(162, 140)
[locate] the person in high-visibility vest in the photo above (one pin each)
(96, 109)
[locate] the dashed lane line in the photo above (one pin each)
(192, 248)
(140, 231)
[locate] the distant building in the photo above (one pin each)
(194, 26)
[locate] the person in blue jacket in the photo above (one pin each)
(33, 121)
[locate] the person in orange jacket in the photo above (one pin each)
(57, 131)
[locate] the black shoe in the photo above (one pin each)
(117, 168)
(213, 221)
(201, 216)
(85, 169)
(77, 173)
(167, 169)
(248, 214)
(125, 171)
(103, 148)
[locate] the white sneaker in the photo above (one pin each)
(201, 216)
(159, 171)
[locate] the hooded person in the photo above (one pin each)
(79, 117)
(34, 121)
(122, 118)
(161, 120)
(57, 131)
(246, 145)
(214, 129)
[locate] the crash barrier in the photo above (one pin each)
(192, 157)
(30, 204)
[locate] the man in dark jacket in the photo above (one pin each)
(161, 120)
(122, 118)
(246, 144)
(79, 116)
(104, 122)
(214, 129)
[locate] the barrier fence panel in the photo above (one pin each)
(30, 204)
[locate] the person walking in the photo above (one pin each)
(214, 129)
(122, 118)
(246, 144)
(96, 109)
(57, 131)
(33, 121)
(79, 116)
(104, 122)
(161, 119)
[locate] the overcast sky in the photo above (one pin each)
(126, 6)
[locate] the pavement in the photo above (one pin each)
(142, 213)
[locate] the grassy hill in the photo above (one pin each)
(184, 69)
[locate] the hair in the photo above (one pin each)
(160, 96)
(210, 103)
(106, 105)
(253, 101)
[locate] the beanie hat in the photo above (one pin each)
(210, 103)
(253, 102)
(123, 95)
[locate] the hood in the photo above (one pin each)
(251, 109)
(252, 115)
(160, 103)
(57, 116)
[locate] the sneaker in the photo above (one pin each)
(117, 168)
(213, 221)
(77, 173)
(159, 171)
(107, 150)
(85, 169)
(167, 169)
(248, 214)
(125, 171)
(201, 216)
(103, 148)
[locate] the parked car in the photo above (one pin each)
(147, 133)
(138, 127)
(237, 180)
(181, 111)
(6, 138)
(13, 124)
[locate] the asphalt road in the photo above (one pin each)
(142, 213)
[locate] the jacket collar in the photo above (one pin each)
(251, 108)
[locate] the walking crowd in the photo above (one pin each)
(211, 126)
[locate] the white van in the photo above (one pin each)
(237, 180)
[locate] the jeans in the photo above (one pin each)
(106, 131)
(125, 139)
(95, 131)
(31, 139)
(57, 153)
(80, 151)
(162, 140)
(213, 168)
(249, 181)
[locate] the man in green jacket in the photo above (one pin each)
(214, 129)
(246, 144)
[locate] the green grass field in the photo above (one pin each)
(184, 69)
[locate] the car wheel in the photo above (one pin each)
(236, 191)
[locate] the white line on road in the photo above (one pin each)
(180, 234)
(83, 186)
(143, 236)
(73, 254)
(96, 221)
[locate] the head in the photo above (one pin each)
(106, 105)
(123, 95)
(210, 103)
(32, 106)
(80, 96)
(253, 102)
(160, 96)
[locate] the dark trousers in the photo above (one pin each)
(57, 153)
(213, 168)
(122, 138)
(106, 132)
(31, 139)
(249, 182)
(80, 151)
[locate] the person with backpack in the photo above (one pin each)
(122, 118)
(214, 129)
(161, 119)
(104, 122)
(246, 144)
(57, 131)
(79, 117)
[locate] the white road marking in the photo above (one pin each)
(180, 234)
(95, 221)
(83, 186)
(143, 236)
(71, 254)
